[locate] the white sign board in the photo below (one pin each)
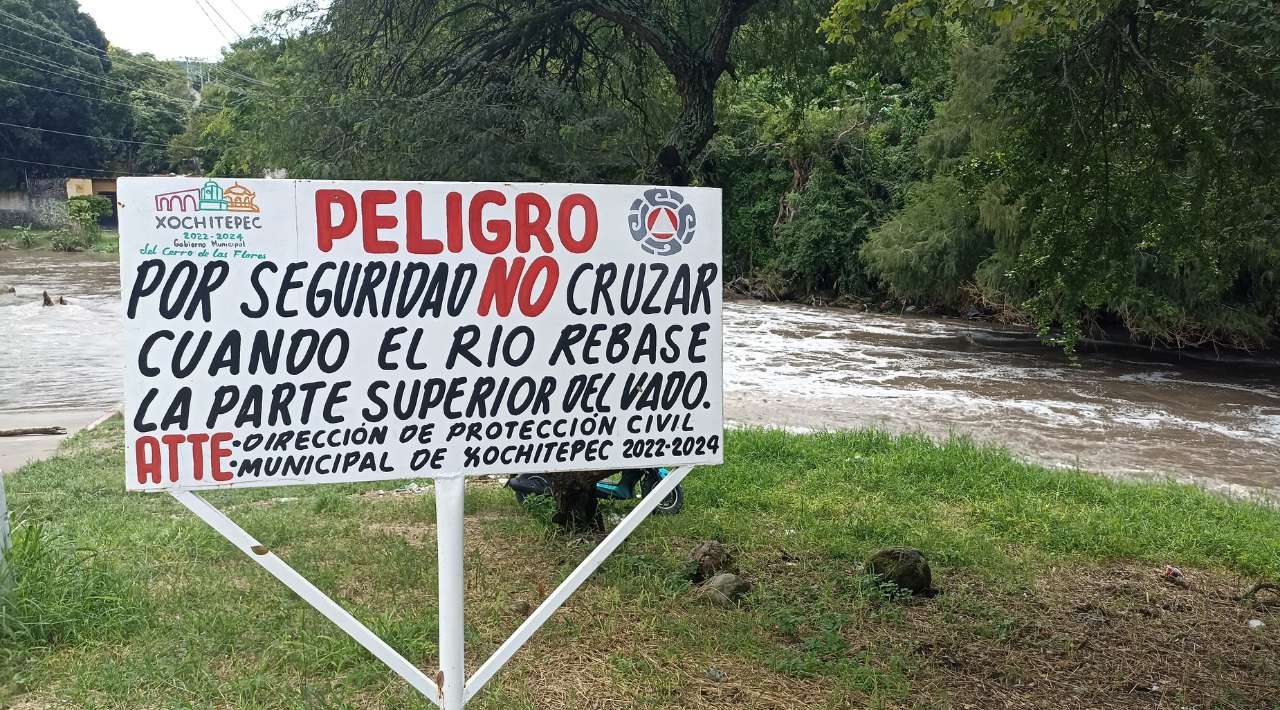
(287, 332)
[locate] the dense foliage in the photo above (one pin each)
(1097, 161)
(1078, 164)
(73, 106)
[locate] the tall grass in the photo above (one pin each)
(52, 592)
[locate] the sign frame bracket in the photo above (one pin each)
(449, 690)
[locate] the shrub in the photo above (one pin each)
(928, 252)
(26, 237)
(63, 240)
(83, 213)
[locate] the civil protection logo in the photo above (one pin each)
(662, 221)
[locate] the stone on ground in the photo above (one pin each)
(904, 567)
(724, 589)
(707, 560)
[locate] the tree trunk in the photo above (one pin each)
(694, 127)
(577, 508)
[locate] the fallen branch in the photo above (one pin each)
(1257, 588)
(33, 431)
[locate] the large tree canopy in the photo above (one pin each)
(1070, 163)
(49, 80)
(427, 47)
(77, 107)
(1098, 161)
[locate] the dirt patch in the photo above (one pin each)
(1113, 636)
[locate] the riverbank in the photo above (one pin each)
(107, 242)
(18, 451)
(1051, 590)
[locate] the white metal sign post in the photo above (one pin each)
(295, 332)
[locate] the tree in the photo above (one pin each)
(53, 67)
(153, 105)
(1114, 162)
(429, 43)
(506, 47)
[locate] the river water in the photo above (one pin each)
(1120, 409)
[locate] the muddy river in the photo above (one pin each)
(1121, 409)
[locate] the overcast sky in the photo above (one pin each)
(171, 29)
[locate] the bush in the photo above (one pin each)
(51, 593)
(84, 212)
(63, 240)
(26, 237)
(929, 251)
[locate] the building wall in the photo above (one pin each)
(79, 187)
(45, 204)
(48, 202)
(14, 209)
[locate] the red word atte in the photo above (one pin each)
(158, 456)
(390, 221)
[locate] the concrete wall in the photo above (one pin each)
(13, 209)
(45, 203)
(48, 202)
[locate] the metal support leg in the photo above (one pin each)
(451, 689)
(311, 595)
(574, 580)
(449, 504)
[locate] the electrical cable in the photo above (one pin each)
(99, 138)
(175, 112)
(72, 167)
(225, 38)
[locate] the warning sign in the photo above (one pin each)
(282, 332)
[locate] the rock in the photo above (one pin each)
(707, 560)
(47, 301)
(724, 589)
(522, 608)
(904, 567)
(715, 675)
(1257, 624)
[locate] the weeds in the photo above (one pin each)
(63, 240)
(26, 238)
(52, 593)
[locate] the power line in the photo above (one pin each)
(23, 54)
(97, 54)
(82, 96)
(236, 5)
(218, 12)
(72, 167)
(218, 66)
(225, 38)
(38, 26)
(97, 81)
(99, 138)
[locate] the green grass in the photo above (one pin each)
(179, 618)
(59, 240)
